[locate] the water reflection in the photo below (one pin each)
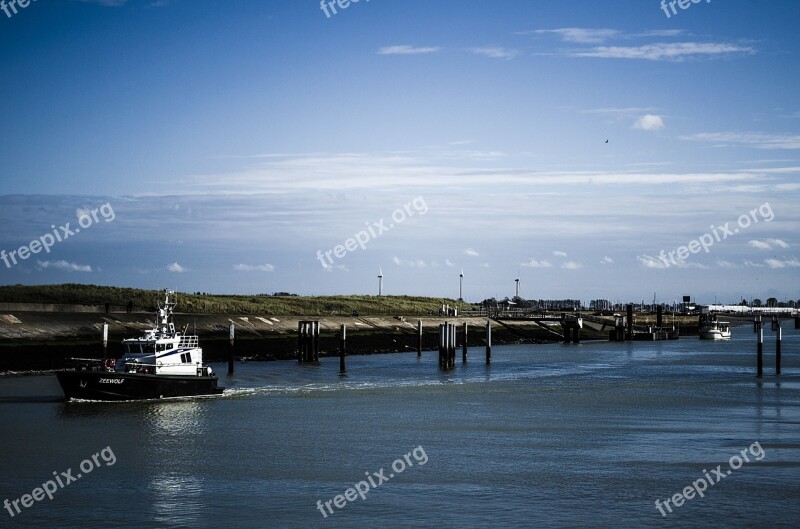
(176, 499)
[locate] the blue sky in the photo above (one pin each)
(568, 143)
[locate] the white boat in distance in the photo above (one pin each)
(715, 330)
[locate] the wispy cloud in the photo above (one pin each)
(534, 263)
(495, 52)
(606, 260)
(342, 172)
(648, 261)
(254, 268)
(472, 252)
(580, 35)
(571, 265)
(751, 139)
(665, 51)
(411, 263)
(727, 264)
(63, 265)
(559, 254)
(782, 263)
(768, 244)
(649, 122)
(175, 268)
(405, 49)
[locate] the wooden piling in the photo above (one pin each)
(797, 322)
(441, 345)
(659, 317)
(464, 345)
(105, 341)
(308, 342)
(629, 321)
(488, 342)
(300, 333)
(576, 334)
(419, 338)
(760, 351)
(343, 350)
(451, 357)
(231, 333)
(778, 352)
(757, 323)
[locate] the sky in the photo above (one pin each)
(613, 150)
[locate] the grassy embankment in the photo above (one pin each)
(265, 325)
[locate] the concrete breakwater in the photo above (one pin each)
(44, 340)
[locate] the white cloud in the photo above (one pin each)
(405, 49)
(449, 263)
(254, 268)
(785, 263)
(581, 35)
(471, 252)
(533, 263)
(768, 244)
(676, 52)
(751, 264)
(559, 254)
(63, 265)
(649, 122)
(649, 261)
(571, 265)
(176, 268)
(726, 264)
(411, 263)
(606, 260)
(760, 245)
(495, 52)
(778, 242)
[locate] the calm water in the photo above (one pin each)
(548, 436)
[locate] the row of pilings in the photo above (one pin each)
(308, 341)
(776, 328)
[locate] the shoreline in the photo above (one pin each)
(41, 342)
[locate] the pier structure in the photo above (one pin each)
(308, 342)
(447, 346)
(572, 325)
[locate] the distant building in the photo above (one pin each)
(600, 304)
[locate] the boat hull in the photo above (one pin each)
(715, 335)
(100, 385)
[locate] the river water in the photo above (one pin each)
(547, 436)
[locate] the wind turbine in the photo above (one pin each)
(461, 286)
(380, 281)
